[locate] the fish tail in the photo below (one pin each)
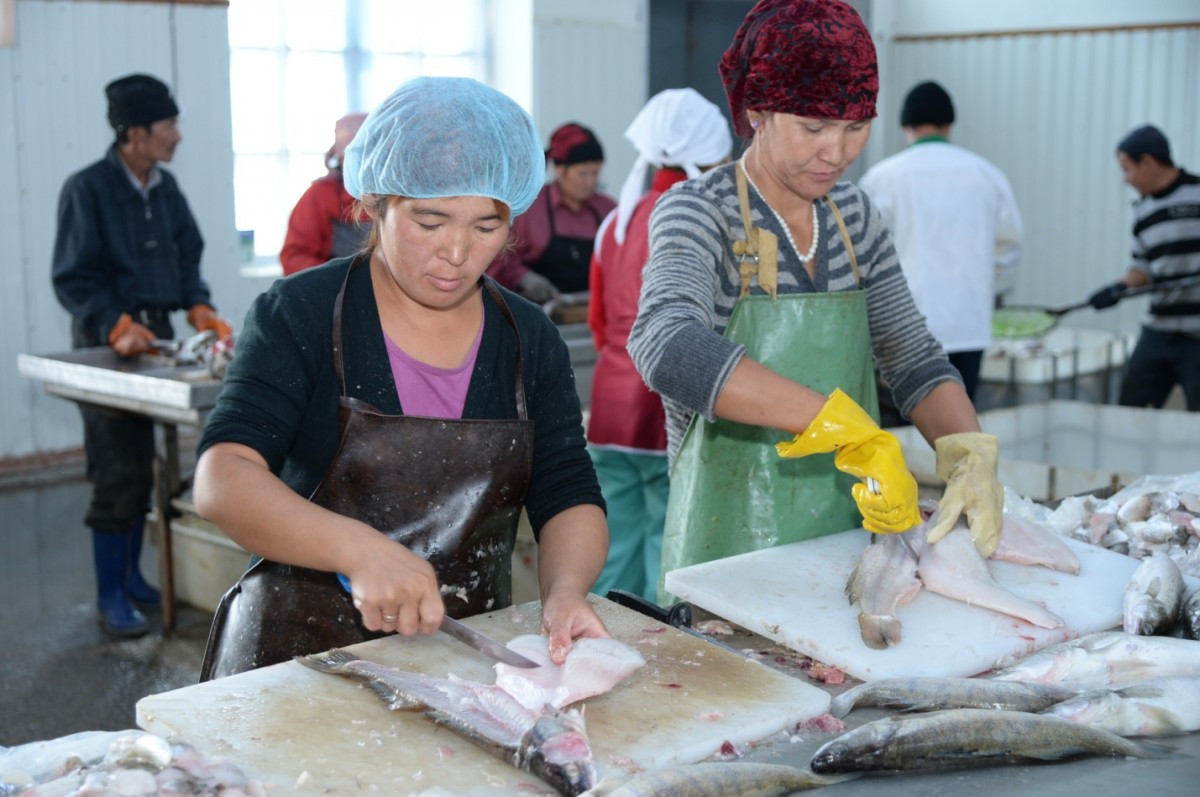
(339, 662)
(330, 661)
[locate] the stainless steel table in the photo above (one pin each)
(156, 387)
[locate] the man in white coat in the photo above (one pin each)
(955, 224)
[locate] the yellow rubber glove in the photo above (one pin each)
(203, 317)
(967, 463)
(863, 450)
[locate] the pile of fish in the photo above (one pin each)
(522, 717)
(1155, 514)
(889, 575)
(118, 765)
(1077, 698)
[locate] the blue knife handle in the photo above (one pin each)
(344, 581)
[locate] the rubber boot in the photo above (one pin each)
(142, 594)
(117, 614)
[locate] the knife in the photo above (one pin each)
(472, 638)
(873, 486)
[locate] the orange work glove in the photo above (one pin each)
(203, 317)
(129, 338)
(866, 451)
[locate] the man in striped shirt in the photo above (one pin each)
(1166, 247)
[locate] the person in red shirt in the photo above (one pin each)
(323, 224)
(552, 243)
(680, 134)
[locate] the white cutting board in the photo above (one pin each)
(795, 595)
(308, 732)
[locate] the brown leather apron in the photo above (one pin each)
(450, 490)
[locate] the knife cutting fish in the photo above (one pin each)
(472, 638)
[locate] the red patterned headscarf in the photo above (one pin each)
(811, 58)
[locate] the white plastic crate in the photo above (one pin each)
(207, 563)
(1070, 364)
(1053, 449)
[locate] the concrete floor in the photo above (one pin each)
(62, 674)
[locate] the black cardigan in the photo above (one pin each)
(280, 395)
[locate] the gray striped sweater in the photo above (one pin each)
(690, 286)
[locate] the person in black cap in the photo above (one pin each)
(1166, 249)
(956, 227)
(127, 254)
(552, 243)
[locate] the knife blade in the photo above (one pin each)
(873, 486)
(484, 643)
(472, 638)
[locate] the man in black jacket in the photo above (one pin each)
(127, 254)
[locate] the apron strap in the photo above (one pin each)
(337, 325)
(841, 223)
(759, 253)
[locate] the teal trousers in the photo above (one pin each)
(635, 487)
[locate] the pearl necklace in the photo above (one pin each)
(816, 231)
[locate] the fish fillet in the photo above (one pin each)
(593, 667)
(954, 568)
(1023, 542)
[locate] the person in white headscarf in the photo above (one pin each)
(679, 134)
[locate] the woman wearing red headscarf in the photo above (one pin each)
(552, 243)
(771, 286)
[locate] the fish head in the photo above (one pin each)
(858, 750)
(558, 751)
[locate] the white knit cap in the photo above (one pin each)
(676, 127)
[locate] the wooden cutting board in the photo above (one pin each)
(794, 594)
(313, 733)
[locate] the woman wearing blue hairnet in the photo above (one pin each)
(388, 415)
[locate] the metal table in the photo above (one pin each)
(156, 387)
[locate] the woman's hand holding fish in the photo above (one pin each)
(396, 590)
(567, 616)
(572, 547)
(967, 462)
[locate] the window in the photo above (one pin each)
(296, 66)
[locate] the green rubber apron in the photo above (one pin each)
(730, 491)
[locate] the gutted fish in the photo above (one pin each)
(1158, 707)
(549, 743)
(715, 779)
(1153, 597)
(967, 737)
(931, 694)
(885, 579)
(1191, 616)
(954, 568)
(592, 667)
(1024, 542)
(1107, 659)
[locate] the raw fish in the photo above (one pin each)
(1158, 707)
(548, 743)
(1107, 659)
(1153, 596)
(1023, 542)
(967, 737)
(593, 667)
(885, 578)
(932, 694)
(715, 779)
(954, 568)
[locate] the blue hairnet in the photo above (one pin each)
(442, 136)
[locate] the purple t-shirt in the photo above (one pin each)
(429, 391)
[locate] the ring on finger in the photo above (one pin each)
(389, 618)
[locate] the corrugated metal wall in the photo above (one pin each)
(1048, 109)
(52, 124)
